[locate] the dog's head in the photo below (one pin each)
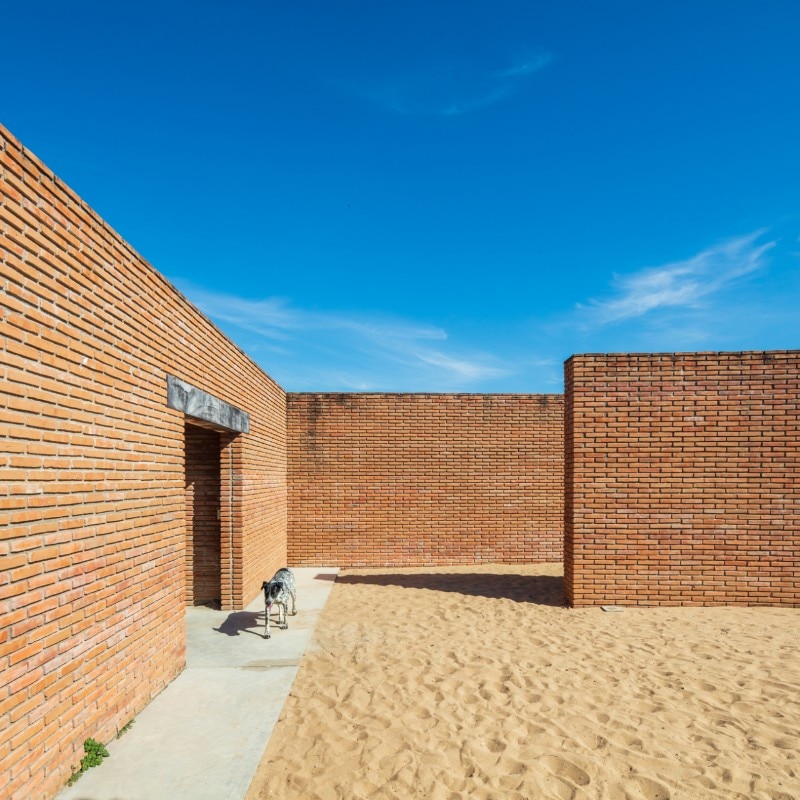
(272, 591)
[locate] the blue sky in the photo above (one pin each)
(435, 196)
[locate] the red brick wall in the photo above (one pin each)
(682, 479)
(92, 505)
(407, 480)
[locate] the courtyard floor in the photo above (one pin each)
(475, 682)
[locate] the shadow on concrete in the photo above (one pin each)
(242, 622)
(546, 590)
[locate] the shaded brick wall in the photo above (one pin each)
(682, 479)
(92, 497)
(407, 480)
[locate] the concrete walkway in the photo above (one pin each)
(203, 737)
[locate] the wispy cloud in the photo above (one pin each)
(680, 285)
(526, 66)
(475, 102)
(696, 303)
(336, 350)
(471, 370)
(445, 90)
(276, 318)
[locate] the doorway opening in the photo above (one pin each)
(203, 526)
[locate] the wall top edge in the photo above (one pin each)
(554, 395)
(686, 354)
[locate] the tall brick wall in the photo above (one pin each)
(424, 479)
(92, 496)
(682, 479)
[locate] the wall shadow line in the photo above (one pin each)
(546, 590)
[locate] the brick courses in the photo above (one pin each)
(425, 479)
(682, 475)
(92, 497)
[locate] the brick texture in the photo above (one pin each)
(682, 479)
(93, 491)
(408, 480)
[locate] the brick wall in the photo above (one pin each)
(407, 480)
(92, 496)
(682, 479)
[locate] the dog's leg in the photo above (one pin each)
(266, 621)
(285, 624)
(294, 603)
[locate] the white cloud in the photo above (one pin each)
(270, 318)
(476, 102)
(527, 66)
(347, 351)
(446, 90)
(715, 299)
(680, 285)
(275, 318)
(471, 370)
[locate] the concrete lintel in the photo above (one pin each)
(196, 403)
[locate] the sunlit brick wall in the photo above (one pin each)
(415, 479)
(682, 479)
(92, 496)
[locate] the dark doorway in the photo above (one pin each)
(203, 561)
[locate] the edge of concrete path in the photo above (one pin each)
(203, 737)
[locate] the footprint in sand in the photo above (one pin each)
(784, 744)
(639, 788)
(564, 769)
(705, 686)
(487, 694)
(631, 742)
(512, 767)
(496, 746)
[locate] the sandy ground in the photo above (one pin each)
(475, 682)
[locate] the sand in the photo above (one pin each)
(475, 682)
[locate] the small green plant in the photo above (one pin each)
(125, 728)
(95, 753)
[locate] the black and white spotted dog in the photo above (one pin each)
(277, 593)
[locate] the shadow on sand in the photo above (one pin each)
(546, 590)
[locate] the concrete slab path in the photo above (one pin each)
(203, 737)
